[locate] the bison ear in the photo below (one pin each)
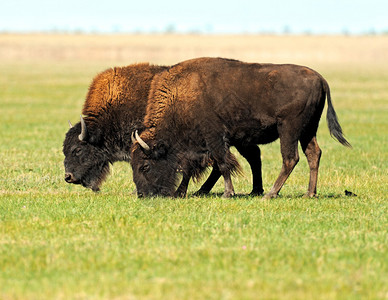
(160, 150)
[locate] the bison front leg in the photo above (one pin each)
(226, 161)
(252, 154)
(182, 189)
(210, 182)
(229, 190)
(227, 166)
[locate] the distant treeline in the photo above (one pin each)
(172, 29)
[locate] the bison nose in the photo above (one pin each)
(140, 195)
(69, 177)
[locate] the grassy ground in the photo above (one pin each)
(64, 242)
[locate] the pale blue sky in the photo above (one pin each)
(219, 16)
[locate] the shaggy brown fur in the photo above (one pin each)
(114, 108)
(125, 88)
(199, 108)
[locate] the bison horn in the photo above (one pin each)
(70, 125)
(133, 138)
(141, 142)
(84, 131)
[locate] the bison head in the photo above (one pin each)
(86, 161)
(154, 167)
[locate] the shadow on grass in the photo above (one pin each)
(284, 196)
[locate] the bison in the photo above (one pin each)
(197, 109)
(114, 108)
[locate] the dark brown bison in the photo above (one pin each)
(199, 108)
(114, 108)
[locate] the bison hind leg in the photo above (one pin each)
(290, 156)
(313, 154)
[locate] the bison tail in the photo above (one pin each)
(332, 120)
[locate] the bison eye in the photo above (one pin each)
(145, 168)
(77, 151)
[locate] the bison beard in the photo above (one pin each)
(199, 108)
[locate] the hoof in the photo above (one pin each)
(228, 194)
(179, 194)
(201, 193)
(256, 193)
(310, 195)
(269, 196)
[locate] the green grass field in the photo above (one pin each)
(60, 241)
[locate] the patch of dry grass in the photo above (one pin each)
(170, 49)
